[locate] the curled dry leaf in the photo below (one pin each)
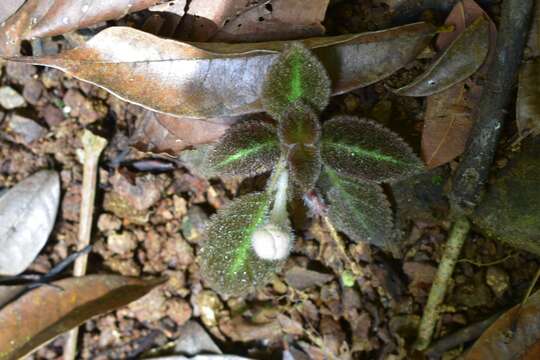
(24, 325)
(515, 335)
(203, 357)
(459, 61)
(38, 18)
(27, 216)
(213, 79)
(449, 114)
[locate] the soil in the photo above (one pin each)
(150, 223)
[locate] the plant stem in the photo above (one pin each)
(93, 145)
(475, 164)
(457, 237)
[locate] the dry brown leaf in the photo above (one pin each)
(449, 115)
(206, 80)
(159, 133)
(48, 311)
(8, 8)
(40, 18)
(515, 335)
(275, 20)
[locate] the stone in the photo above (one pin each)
(121, 243)
(498, 280)
(25, 130)
(32, 91)
(81, 107)
(20, 72)
(10, 99)
(52, 115)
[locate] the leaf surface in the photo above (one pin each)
(305, 165)
(27, 217)
(46, 312)
(206, 80)
(460, 60)
(8, 8)
(362, 149)
(515, 335)
(296, 75)
(358, 209)
(247, 149)
(228, 262)
(40, 18)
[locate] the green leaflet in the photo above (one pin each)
(228, 262)
(364, 150)
(247, 149)
(296, 75)
(359, 209)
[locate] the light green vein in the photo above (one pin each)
(243, 153)
(357, 151)
(296, 78)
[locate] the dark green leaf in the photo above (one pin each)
(305, 165)
(295, 75)
(299, 125)
(359, 209)
(247, 149)
(228, 261)
(459, 61)
(363, 149)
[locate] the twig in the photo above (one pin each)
(93, 145)
(474, 167)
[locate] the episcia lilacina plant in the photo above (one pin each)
(343, 161)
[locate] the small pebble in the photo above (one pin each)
(10, 99)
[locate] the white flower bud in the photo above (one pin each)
(270, 242)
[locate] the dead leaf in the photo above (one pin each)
(24, 325)
(27, 217)
(10, 292)
(40, 18)
(527, 105)
(515, 335)
(160, 133)
(203, 357)
(275, 20)
(533, 44)
(206, 80)
(460, 60)
(8, 8)
(449, 115)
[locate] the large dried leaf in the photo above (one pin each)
(358, 209)
(212, 79)
(515, 335)
(228, 262)
(27, 217)
(48, 311)
(247, 149)
(8, 8)
(527, 105)
(278, 20)
(458, 62)
(449, 115)
(160, 133)
(363, 149)
(39, 18)
(447, 123)
(295, 76)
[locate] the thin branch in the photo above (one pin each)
(93, 145)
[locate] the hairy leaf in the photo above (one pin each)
(39, 18)
(228, 261)
(359, 209)
(362, 149)
(459, 61)
(247, 149)
(27, 217)
(299, 125)
(208, 80)
(297, 75)
(48, 311)
(305, 165)
(515, 335)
